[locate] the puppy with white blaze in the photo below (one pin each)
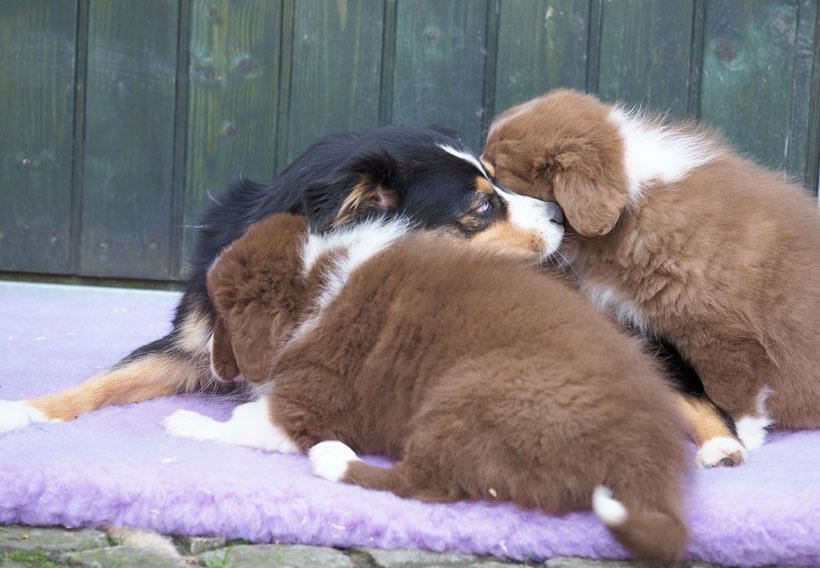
(681, 237)
(482, 376)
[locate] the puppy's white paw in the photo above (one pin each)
(330, 459)
(720, 452)
(16, 414)
(250, 425)
(188, 424)
(752, 430)
(611, 511)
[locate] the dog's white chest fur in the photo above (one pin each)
(608, 300)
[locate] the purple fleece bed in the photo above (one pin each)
(118, 467)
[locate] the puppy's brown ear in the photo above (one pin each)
(592, 193)
(223, 361)
(251, 345)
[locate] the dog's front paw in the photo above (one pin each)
(16, 414)
(188, 424)
(720, 452)
(330, 459)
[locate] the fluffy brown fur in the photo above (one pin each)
(679, 235)
(483, 377)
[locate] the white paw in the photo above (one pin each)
(718, 450)
(611, 511)
(752, 430)
(188, 424)
(249, 425)
(330, 459)
(16, 414)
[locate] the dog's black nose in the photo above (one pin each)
(555, 213)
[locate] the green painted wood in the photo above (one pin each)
(233, 97)
(748, 74)
(129, 136)
(797, 160)
(439, 67)
(36, 116)
(542, 45)
(645, 53)
(336, 69)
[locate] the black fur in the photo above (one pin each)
(424, 182)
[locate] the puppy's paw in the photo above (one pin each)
(720, 452)
(188, 424)
(16, 414)
(330, 459)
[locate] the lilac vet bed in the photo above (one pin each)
(117, 466)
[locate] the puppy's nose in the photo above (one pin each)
(555, 213)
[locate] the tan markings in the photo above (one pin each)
(483, 185)
(506, 238)
(704, 421)
(351, 203)
(142, 379)
(489, 167)
(195, 333)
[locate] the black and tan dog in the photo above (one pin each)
(424, 174)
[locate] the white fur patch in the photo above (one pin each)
(467, 157)
(752, 429)
(355, 245)
(330, 459)
(655, 152)
(521, 109)
(608, 300)
(719, 448)
(16, 414)
(249, 425)
(611, 511)
(532, 214)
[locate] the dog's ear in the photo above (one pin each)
(256, 286)
(372, 183)
(223, 361)
(587, 186)
(250, 342)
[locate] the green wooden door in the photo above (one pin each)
(122, 118)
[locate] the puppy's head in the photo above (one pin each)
(562, 147)
(256, 286)
(435, 180)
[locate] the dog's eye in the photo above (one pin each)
(483, 208)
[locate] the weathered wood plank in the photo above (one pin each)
(233, 96)
(646, 52)
(542, 45)
(336, 69)
(36, 116)
(798, 159)
(439, 67)
(748, 74)
(129, 135)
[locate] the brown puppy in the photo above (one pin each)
(485, 378)
(679, 236)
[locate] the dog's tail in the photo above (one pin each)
(176, 363)
(648, 535)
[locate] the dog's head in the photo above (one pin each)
(432, 178)
(257, 288)
(562, 147)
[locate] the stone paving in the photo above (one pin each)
(87, 548)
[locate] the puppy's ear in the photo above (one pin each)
(592, 193)
(256, 286)
(373, 183)
(223, 361)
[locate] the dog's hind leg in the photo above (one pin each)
(175, 363)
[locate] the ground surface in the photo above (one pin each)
(57, 548)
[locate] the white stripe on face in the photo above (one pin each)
(467, 157)
(530, 214)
